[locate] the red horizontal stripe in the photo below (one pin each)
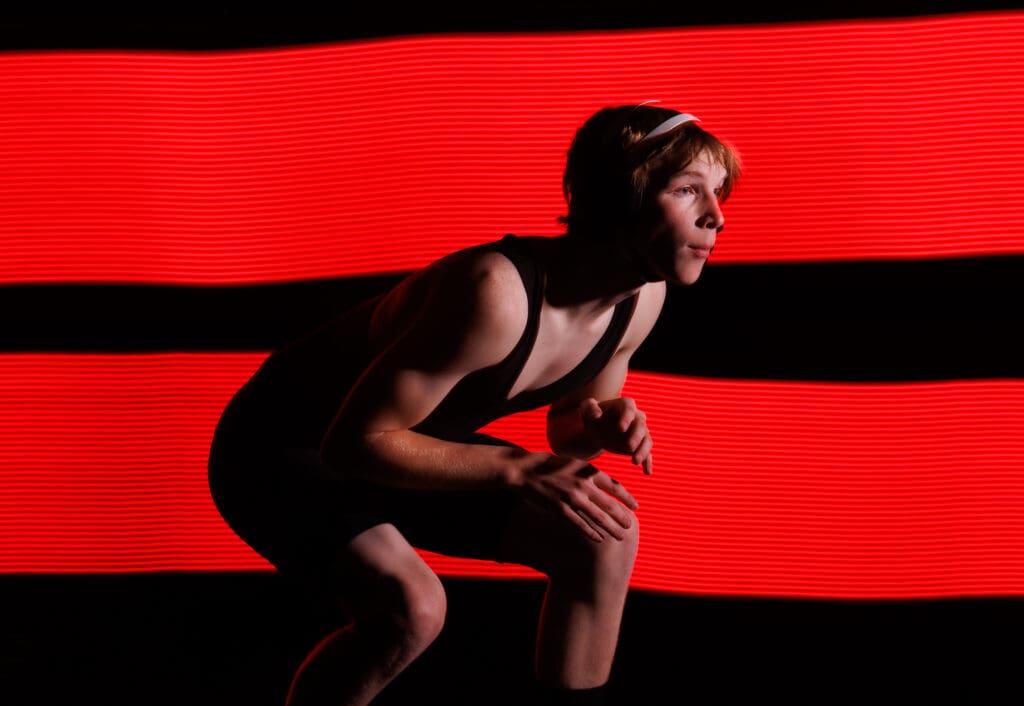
(883, 139)
(759, 488)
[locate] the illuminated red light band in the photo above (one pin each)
(759, 488)
(882, 139)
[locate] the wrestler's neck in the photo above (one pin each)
(590, 278)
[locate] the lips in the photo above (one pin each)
(700, 251)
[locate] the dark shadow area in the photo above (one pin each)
(218, 26)
(852, 321)
(225, 639)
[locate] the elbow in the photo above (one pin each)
(562, 449)
(571, 452)
(557, 443)
(554, 438)
(330, 453)
(350, 454)
(339, 451)
(580, 448)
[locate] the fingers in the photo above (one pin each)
(630, 417)
(602, 517)
(636, 431)
(591, 409)
(578, 518)
(642, 454)
(591, 500)
(635, 435)
(601, 513)
(617, 491)
(639, 443)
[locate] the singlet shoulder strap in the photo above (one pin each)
(587, 369)
(515, 249)
(478, 398)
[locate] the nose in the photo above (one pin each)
(713, 218)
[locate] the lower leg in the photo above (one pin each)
(398, 608)
(576, 644)
(582, 613)
(578, 636)
(349, 667)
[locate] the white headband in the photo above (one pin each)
(669, 124)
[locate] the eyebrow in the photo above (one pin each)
(691, 173)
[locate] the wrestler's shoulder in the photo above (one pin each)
(484, 276)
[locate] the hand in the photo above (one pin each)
(587, 497)
(620, 428)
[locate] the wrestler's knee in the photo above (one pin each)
(414, 607)
(548, 543)
(616, 555)
(604, 561)
(426, 611)
(386, 588)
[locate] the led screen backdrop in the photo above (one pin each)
(837, 406)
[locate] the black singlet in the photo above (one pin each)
(269, 482)
(309, 379)
(481, 396)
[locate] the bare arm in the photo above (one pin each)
(472, 322)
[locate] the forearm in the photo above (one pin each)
(568, 437)
(408, 459)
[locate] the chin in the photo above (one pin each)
(689, 274)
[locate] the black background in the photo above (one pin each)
(225, 638)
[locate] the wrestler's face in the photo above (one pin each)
(687, 220)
